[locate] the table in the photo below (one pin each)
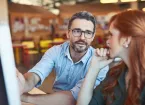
(34, 91)
(23, 103)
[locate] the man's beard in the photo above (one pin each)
(80, 46)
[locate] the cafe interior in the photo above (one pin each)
(37, 25)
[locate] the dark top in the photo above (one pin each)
(120, 93)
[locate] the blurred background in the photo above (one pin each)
(37, 25)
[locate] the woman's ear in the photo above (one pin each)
(127, 41)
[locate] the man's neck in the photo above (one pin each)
(76, 56)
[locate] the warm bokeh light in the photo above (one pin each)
(27, 2)
(109, 1)
(129, 9)
(127, 0)
(143, 9)
(55, 11)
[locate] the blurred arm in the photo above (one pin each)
(57, 98)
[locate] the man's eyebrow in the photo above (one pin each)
(83, 30)
(77, 28)
(89, 30)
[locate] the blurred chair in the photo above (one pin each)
(58, 41)
(45, 45)
(18, 48)
(28, 50)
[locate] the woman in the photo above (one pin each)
(125, 83)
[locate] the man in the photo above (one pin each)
(70, 61)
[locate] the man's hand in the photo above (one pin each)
(21, 81)
(27, 81)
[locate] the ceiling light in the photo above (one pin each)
(128, 0)
(27, 2)
(109, 1)
(80, 0)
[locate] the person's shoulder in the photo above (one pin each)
(91, 48)
(62, 47)
(59, 47)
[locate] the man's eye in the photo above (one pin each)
(89, 33)
(78, 31)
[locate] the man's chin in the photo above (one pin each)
(80, 50)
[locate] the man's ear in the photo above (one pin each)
(67, 34)
(127, 41)
(93, 36)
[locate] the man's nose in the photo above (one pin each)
(83, 35)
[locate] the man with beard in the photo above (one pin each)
(70, 61)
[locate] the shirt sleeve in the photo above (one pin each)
(101, 76)
(44, 67)
(75, 90)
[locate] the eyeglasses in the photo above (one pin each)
(78, 32)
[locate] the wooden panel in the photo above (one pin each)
(29, 10)
(96, 9)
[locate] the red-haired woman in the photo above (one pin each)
(125, 83)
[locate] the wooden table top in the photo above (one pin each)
(34, 91)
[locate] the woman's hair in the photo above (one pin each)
(130, 23)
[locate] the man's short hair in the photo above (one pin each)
(83, 15)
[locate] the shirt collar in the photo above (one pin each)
(87, 56)
(67, 53)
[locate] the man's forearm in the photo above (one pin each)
(57, 98)
(31, 79)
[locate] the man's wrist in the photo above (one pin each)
(25, 97)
